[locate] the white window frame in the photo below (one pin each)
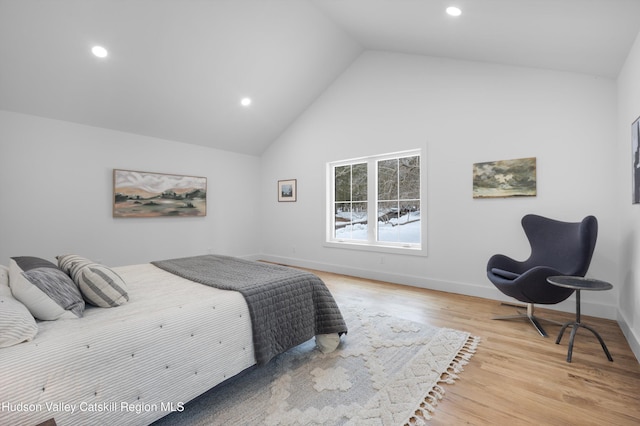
(372, 244)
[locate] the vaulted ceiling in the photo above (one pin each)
(177, 69)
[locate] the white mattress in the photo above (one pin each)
(128, 365)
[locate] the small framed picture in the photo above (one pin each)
(635, 147)
(287, 190)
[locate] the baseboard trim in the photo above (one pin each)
(632, 339)
(486, 292)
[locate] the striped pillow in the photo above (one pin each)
(100, 285)
(16, 322)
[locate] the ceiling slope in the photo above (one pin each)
(584, 36)
(176, 69)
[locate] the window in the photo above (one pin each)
(375, 202)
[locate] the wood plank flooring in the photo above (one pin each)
(516, 377)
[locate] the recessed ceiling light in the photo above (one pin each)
(245, 102)
(99, 51)
(454, 11)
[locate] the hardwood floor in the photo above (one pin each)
(516, 377)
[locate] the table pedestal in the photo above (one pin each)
(576, 325)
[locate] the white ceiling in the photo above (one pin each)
(177, 68)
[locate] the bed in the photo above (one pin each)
(132, 364)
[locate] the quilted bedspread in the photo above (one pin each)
(287, 306)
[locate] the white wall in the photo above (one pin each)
(462, 113)
(629, 259)
(56, 191)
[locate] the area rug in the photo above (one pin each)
(386, 371)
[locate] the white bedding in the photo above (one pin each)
(128, 365)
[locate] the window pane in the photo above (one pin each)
(342, 183)
(359, 221)
(388, 179)
(351, 221)
(409, 177)
(387, 221)
(399, 223)
(342, 220)
(359, 213)
(409, 222)
(359, 182)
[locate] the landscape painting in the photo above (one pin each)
(505, 178)
(145, 194)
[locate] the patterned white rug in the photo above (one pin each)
(386, 371)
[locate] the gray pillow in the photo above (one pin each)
(44, 289)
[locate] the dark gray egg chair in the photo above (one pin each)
(557, 248)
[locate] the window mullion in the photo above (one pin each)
(372, 201)
(331, 211)
(351, 198)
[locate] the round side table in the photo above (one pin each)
(578, 284)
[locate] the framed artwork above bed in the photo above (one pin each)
(147, 194)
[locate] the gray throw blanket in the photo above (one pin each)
(287, 306)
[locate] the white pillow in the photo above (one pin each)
(100, 285)
(17, 325)
(44, 289)
(4, 281)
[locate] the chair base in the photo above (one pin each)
(535, 320)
